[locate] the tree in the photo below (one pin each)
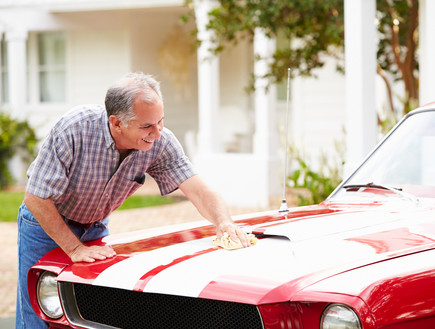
(310, 27)
(397, 27)
(314, 28)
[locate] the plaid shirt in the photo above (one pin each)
(78, 166)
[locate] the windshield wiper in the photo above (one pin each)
(372, 185)
(395, 190)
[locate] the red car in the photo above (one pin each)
(363, 258)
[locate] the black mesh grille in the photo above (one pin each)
(130, 309)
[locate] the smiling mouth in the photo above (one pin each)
(148, 140)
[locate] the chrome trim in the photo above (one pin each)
(261, 318)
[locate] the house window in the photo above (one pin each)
(51, 67)
(4, 90)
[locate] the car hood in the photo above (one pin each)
(295, 250)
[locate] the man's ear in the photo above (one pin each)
(115, 122)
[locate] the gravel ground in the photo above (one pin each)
(120, 222)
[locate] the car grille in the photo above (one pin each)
(102, 307)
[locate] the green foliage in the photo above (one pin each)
(311, 27)
(307, 30)
(319, 183)
(10, 202)
(386, 123)
(16, 137)
(142, 201)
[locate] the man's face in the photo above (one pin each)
(141, 132)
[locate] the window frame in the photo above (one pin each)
(35, 69)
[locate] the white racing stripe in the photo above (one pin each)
(270, 263)
(190, 277)
(126, 273)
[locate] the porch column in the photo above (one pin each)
(16, 52)
(208, 81)
(360, 56)
(427, 51)
(266, 141)
(265, 138)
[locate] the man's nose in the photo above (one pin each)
(156, 131)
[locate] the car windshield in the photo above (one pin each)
(403, 162)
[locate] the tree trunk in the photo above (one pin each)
(408, 64)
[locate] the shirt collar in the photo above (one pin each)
(106, 131)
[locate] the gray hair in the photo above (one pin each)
(121, 95)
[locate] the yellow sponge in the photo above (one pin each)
(228, 244)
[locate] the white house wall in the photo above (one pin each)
(93, 62)
(102, 46)
(97, 53)
(150, 31)
(236, 115)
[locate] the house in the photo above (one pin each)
(59, 53)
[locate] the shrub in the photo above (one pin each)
(319, 183)
(16, 137)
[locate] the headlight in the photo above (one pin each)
(338, 316)
(48, 296)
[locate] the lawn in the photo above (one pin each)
(11, 201)
(9, 204)
(142, 201)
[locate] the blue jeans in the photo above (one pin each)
(33, 243)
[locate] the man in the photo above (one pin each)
(91, 161)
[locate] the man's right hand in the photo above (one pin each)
(90, 254)
(54, 225)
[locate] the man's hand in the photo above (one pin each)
(90, 254)
(54, 225)
(211, 206)
(235, 232)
